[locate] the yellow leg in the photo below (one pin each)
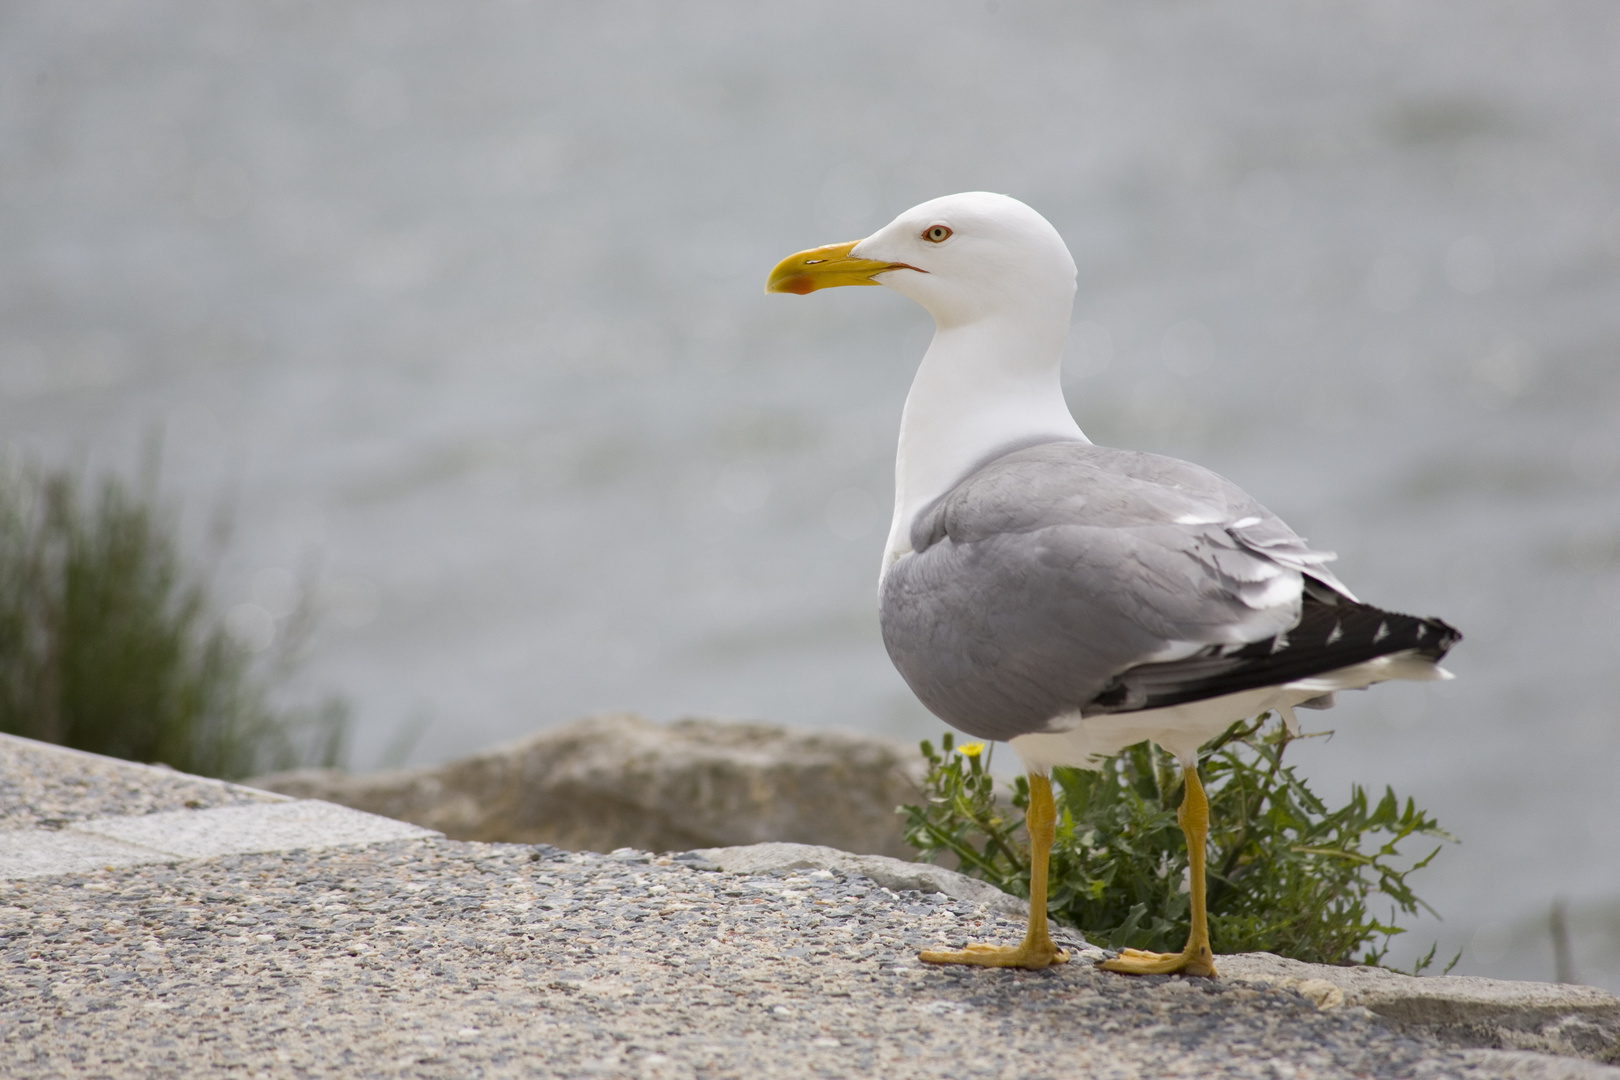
(1197, 958)
(1038, 951)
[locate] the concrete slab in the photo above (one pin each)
(241, 830)
(890, 873)
(27, 854)
(211, 930)
(46, 786)
(167, 836)
(1555, 1018)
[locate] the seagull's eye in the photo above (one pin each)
(936, 234)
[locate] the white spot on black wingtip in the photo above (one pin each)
(1336, 633)
(1383, 632)
(1422, 631)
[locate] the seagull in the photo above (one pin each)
(1069, 598)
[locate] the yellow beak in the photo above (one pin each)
(825, 267)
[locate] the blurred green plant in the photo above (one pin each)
(108, 643)
(1287, 874)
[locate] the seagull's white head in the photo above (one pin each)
(963, 257)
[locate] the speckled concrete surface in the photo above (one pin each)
(169, 836)
(48, 786)
(437, 958)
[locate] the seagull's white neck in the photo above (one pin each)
(982, 386)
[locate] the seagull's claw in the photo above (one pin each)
(1033, 957)
(1140, 962)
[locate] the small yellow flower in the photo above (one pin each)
(972, 749)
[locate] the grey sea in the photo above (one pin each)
(457, 311)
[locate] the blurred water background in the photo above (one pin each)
(458, 310)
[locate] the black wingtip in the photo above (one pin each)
(1434, 637)
(1327, 637)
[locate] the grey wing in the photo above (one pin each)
(1053, 569)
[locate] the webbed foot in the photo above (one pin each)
(1033, 957)
(1192, 961)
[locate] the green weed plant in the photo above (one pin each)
(109, 644)
(1287, 873)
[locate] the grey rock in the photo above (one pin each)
(615, 781)
(890, 873)
(1548, 1018)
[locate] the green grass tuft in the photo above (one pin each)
(1287, 874)
(108, 643)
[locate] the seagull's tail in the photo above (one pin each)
(1339, 646)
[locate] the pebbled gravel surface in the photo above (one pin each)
(46, 787)
(446, 959)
